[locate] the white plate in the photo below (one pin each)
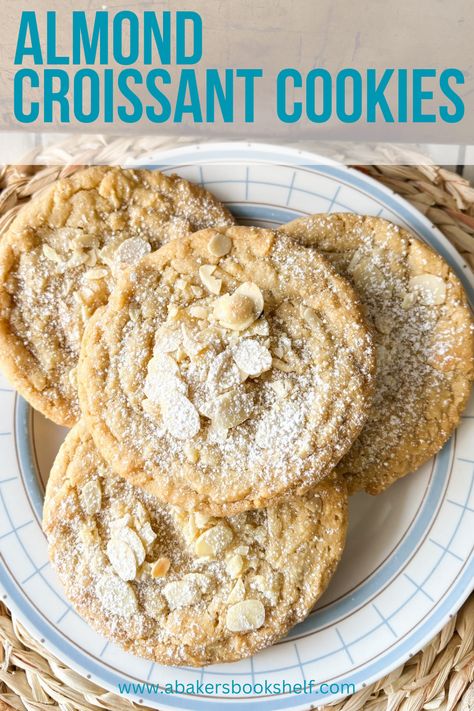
(409, 560)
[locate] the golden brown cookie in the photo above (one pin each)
(58, 261)
(228, 368)
(423, 330)
(186, 589)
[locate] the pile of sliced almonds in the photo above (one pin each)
(131, 541)
(223, 398)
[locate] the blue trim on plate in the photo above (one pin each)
(25, 455)
(452, 600)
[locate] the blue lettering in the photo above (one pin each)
(18, 85)
(28, 28)
(451, 95)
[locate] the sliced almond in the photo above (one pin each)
(122, 559)
(180, 417)
(167, 340)
(198, 312)
(219, 244)
(147, 535)
(160, 568)
(51, 254)
(431, 289)
(239, 310)
(163, 364)
(237, 593)
(252, 358)
(279, 364)
(212, 284)
(365, 272)
(254, 293)
(260, 535)
(91, 497)
(181, 284)
(201, 519)
(192, 453)
(121, 522)
(197, 291)
(77, 258)
(91, 258)
(191, 346)
(235, 565)
(384, 323)
(232, 408)
(223, 373)
(181, 593)
(133, 540)
(311, 317)
(163, 378)
(116, 595)
(261, 327)
(281, 388)
(242, 550)
(245, 616)
(157, 387)
(188, 528)
(96, 274)
(140, 513)
(214, 540)
(268, 585)
(408, 300)
(132, 250)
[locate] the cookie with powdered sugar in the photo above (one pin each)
(186, 588)
(423, 331)
(228, 368)
(58, 261)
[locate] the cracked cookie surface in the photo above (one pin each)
(423, 332)
(58, 261)
(185, 588)
(228, 368)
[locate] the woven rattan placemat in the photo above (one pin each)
(441, 675)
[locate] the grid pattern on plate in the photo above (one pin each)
(418, 590)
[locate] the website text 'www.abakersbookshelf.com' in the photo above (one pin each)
(236, 688)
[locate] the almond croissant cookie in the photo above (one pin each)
(228, 368)
(184, 588)
(60, 256)
(423, 330)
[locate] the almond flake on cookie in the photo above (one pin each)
(239, 310)
(252, 358)
(117, 596)
(180, 417)
(245, 616)
(212, 284)
(223, 372)
(91, 497)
